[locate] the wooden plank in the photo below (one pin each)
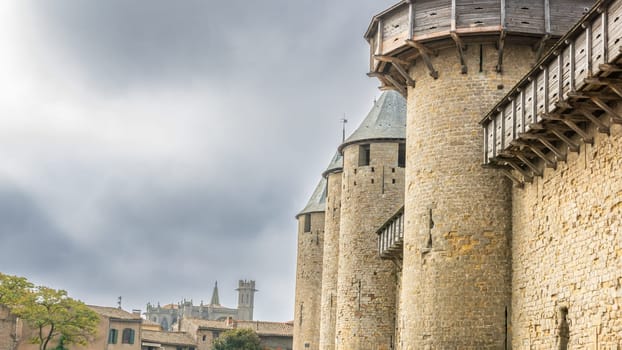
(394, 29)
(432, 16)
(411, 20)
(613, 24)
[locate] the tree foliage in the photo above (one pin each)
(13, 290)
(238, 339)
(50, 312)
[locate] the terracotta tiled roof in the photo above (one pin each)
(113, 312)
(170, 338)
(268, 328)
(212, 324)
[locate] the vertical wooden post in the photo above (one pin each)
(560, 76)
(588, 49)
(522, 110)
(379, 38)
(486, 146)
(502, 17)
(546, 88)
(453, 16)
(514, 118)
(547, 17)
(572, 65)
(605, 35)
(411, 20)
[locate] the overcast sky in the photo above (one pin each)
(151, 147)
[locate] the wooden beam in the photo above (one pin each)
(400, 88)
(559, 154)
(460, 47)
(411, 20)
(500, 46)
(549, 163)
(567, 119)
(611, 83)
(601, 127)
(611, 68)
(404, 73)
(615, 117)
(572, 146)
(391, 59)
(537, 171)
(518, 183)
(540, 45)
(528, 177)
(425, 55)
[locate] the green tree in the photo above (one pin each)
(238, 339)
(14, 290)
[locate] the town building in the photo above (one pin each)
(169, 315)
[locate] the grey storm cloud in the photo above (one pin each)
(152, 147)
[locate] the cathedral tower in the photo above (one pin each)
(330, 266)
(372, 190)
(453, 60)
(246, 299)
(309, 270)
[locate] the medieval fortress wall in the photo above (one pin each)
(510, 236)
(567, 250)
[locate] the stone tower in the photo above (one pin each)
(333, 176)
(246, 299)
(372, 190)
(453, 60)
(309, 270)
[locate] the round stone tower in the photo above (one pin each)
(372, 190)
(331, 252)
(309, 270)
(454, 60)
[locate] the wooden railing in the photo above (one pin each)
(552, 109)
(391, 237)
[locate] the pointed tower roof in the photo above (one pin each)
(317, 202)
(385, 121)
(336, 164)
(215, 299)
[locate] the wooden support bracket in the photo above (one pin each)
(568, 120)
(528, 177)
(500, 46)
(572, 146)
(518, 183)
(460, 47)
(399, 87)
(559, 155)
(615, 117)
(549, 163)
(528, 163)
(539, 47)
(399, 64)
(425, 55)
(601, 127)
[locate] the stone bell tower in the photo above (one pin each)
(453, 60)
(246, 299)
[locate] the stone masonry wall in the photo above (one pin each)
(456, 276)
(366, 284)
(308, 283)
(330, 263)
(567, 252)
(8, 329)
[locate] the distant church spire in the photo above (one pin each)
(215, 299)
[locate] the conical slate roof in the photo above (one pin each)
(336, 164)
(317, 202)
(386, 120)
